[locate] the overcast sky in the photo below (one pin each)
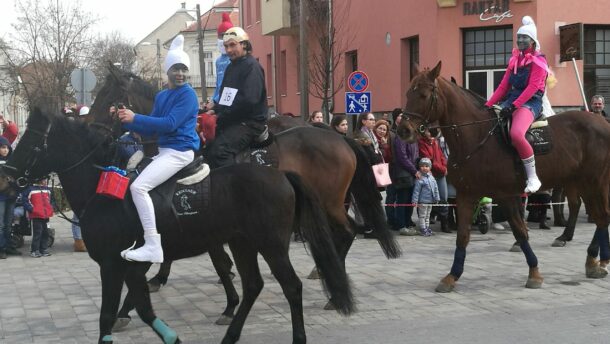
(133, 18)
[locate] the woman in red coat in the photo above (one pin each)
(429, 148)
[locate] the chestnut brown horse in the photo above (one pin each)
(481, 163)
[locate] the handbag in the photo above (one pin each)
(382, 174)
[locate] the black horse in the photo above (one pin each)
(271, 205)
(306, 151)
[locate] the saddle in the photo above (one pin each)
(186, 194)
(263, 151)
(539, 135)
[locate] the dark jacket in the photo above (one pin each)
(3, 159)
(250, 102)
(367, 144)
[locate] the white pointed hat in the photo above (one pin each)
(176, 54)
(529, 29)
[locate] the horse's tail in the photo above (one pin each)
(367, 199)
(314, 227)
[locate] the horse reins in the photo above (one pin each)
(434, 106)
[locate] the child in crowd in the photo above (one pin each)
(37, 201)
(425, 193)
(7, 203)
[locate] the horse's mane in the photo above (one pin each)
(140, 87)
(475, 97)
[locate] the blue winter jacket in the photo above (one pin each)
(173, 119)
(425, 190)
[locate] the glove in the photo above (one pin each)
(507, 111)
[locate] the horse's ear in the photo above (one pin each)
(434, 73)
(416, 68)
(114, 70)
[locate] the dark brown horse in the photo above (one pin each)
(481, 163)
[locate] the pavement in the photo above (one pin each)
(57, 299)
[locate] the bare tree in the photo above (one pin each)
(51, 38)
(329, 46)
(113, 48)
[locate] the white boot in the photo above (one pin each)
(150, 252)
(533, 183)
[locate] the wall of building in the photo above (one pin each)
(440, 32)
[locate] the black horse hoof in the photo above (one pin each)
(121, 323)
(224, 320)
(559, 243)
(154, 285)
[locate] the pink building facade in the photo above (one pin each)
(386, 39)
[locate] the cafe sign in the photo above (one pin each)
(496, 10)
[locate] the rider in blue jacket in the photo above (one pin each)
(173, 120)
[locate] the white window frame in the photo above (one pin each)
(490, 79)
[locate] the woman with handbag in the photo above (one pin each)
(366, 138)
(364, 135)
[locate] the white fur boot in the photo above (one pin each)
(151, 251)
(533, 183)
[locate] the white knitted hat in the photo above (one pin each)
(176, 54)
(529, 29)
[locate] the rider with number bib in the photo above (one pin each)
(173, 119)
(520, 94)
(242, 107)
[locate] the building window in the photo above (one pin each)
(486, 54)
(351, 60)
(283, 76)
(413, 56)
(597, 61)
(351, 63)
(210, 68)
(490, 47)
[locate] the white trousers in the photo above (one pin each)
(164, 166)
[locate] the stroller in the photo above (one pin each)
(482, 215)
(22, 226)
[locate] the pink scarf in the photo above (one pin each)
(520, 59)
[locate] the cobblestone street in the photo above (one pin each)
(57, 299)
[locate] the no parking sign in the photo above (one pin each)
(358, 81)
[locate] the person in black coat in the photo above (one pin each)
(242, 107)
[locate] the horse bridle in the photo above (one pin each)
(40, 150)
(425, 125)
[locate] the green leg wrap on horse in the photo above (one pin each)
(107, 338)
(169, 336)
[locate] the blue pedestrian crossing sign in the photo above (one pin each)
(357, 102)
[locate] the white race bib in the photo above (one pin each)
(228, 95)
